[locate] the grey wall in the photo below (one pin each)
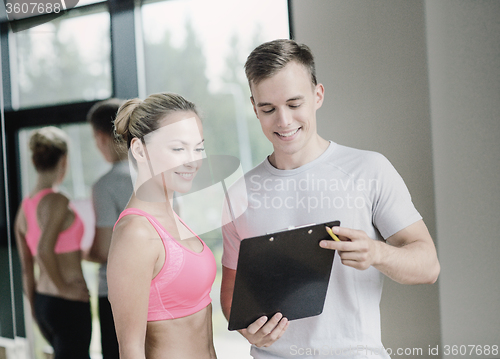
(419, 81)
(464, 73)
(371, 57)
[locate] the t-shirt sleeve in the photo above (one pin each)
(393, 209)
(104, 206)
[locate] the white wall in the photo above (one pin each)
(419, 81)
(464, 73)
(371, 57)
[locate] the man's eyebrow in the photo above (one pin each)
(295, 98)
(299, 97)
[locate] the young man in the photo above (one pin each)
(308, 179)
(110, 195)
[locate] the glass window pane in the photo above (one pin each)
(62, 61)
(197, 48)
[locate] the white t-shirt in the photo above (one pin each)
(110, 195)
(362, 190)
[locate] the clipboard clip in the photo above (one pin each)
(289, 228)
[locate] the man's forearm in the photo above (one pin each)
(226, 290)
(413, 263)
(226, 298)
(408, 257)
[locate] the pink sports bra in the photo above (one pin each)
(182, 287)
(68, 240)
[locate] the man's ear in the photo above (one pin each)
(319, 95)
(137, 149)
(254, 108)
(100, 139)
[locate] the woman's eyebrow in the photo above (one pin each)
(185, 143)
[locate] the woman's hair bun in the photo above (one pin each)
(124, 118)
(48, 145)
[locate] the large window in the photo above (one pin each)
(193, 47)
(62, 61)
(198, 48)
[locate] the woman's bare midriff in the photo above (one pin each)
(181, 338)
(71, 271)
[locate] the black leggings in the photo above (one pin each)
(66, 324)
(109, 343)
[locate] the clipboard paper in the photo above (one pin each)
(286, 272)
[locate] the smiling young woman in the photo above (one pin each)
(160, 272)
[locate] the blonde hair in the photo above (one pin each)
(137, 118)
(48, 145)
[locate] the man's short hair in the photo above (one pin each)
(103, 113)
(270, 57)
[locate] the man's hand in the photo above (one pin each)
(408, 256)
(355, 248)
(263, 332)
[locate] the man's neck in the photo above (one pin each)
(289, 161)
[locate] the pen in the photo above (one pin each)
(329, 230)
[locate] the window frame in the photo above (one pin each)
(122, 27)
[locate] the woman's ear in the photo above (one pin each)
(137, 149)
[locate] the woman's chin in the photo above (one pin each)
(183, 189)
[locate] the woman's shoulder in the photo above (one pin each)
(133, 227)
(54, 199)
(134, 239)
(52, 206)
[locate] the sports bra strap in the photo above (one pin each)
(151, 218)
(154, 222)
(140, 212)
(137, 211)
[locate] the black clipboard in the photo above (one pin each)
(286, 272)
